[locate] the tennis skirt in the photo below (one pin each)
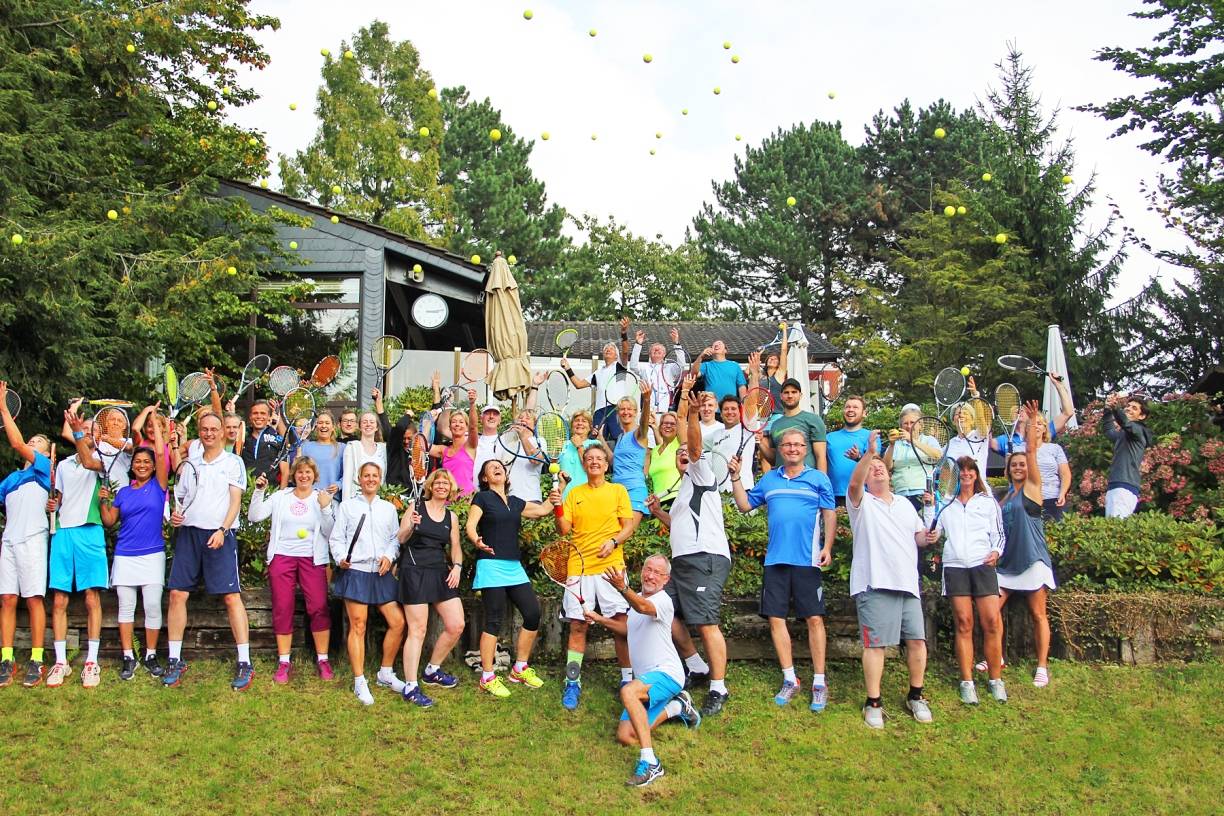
(365, 587)
(139, 570)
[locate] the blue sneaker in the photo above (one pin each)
(644, 774)
(439, 678)
(785, 693)
(174, 672)
(243, 675)
(417, 697)
(689, 715)
(571, 694)
(820, 698)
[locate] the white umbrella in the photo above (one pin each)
(1056, 363)
(797, 362)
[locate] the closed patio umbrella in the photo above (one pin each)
(506, 333)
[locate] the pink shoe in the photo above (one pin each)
(283, 672)
(324, 669)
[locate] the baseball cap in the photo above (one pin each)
(791, 382)
(492, 406)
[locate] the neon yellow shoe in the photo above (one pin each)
(495, 687)
(527, 677)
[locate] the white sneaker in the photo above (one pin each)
(920, 708)
(387, 679)
(873, 716)
(91, 675)
(997, 690)
(59, 672)
(362, 690)
(968, 692)
(1041, 677)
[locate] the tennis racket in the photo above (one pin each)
(186, 485)
(172, 391)
(552, 432)
(974, 420)
(949, 388)
(353, 543)
(755, 410)
(947, 488)
(556, 390)
(253, 372)
(672, 374)
(1007, 410)
(111, 403)
(476, 366)
(418, 463)
(565, 340)
(718, 466)
(51, 516)
(933, 434)
(386, 354)
(670, 492)
(832, 389)
(193, 389)
(556, 558)
(283, 379)
(298, 409)
(110, 426)
(1014, 362)
(425, 428)
(510, 446)
(324, 372)
(624, 384)
(455, 397)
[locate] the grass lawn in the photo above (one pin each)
(1100, 739)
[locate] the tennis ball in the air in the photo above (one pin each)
(961, 210)
(432, 93)
(424, 132)
(16, 239)
(325, 52)
(212, 105)
(416, 268)
(647, 58)
(348, 54)
(949, 211)
(232, 270)
(986, 177)
(739, 137)
(511, 260)
(302, 533)
(495, 135)
(652, 151)
(658, 134)
(735, 58)
(131, 48)
(112, 215)
(476, 259)
(1066, 179)
(253, 142)
(335, 219)
(545, 135)
(292, 106)
(293, 244)
(727, 45)
(594, 136)
(964, 371)
(528, 14)
(263, 183)
(335, 189)
(940, 133)
(832, 94)
(717, 90)
(1001, 238)
(554, 468)
(592, 32)
(791, 201)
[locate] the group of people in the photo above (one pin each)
(641, 456)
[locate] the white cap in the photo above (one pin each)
(910, 406)
(492, 406)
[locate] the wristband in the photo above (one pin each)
(78, 434)
(559, 511)
(736, 479)
(533, 388)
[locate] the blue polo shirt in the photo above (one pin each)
(39, 471)
(723, 377)
(794, 507)
(840, 465)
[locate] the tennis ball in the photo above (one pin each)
(735, 58)
(717, 90)
(476, 259)
(253, 142)
(212, 105)
(949, 211)
(416, 267)
(964, 371)
(739, 137)
(325, 52)
(791, 201)
(112, 215)
(293, 244)
(652, 151)
(232, 270)
(528, 14)
(424, 132)
(16, 239)
(961, 210)
(594, 136)
(432, 93)
(263, 183)
(940, 133)
(658, 134)
(986, 177)
(554, 468)
(495, 135)
(684, 111)
(545, 135)
(592, 32)
(727, 45)
(512, 260)
(292, 106)
(647, 58)
(335, 219)
(302, 533)
(1066, 179)
(1001, 238)
(131, 48)
(348, 54)
(832, 94)
(335, 189)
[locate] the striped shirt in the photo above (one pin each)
(794, 506)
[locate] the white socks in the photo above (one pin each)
(519, 665)
(673, 709)
(696, 664)
(61, 651)
(788, 674)
(91, 652)
(430, 668)
(626, 675)
(320, 657)
(284, 658)
(818, 680)
(648, 755)
(486, 676)
(718, 685)
(150, 653)
(244, 653)
(176, 650)
(129, 653)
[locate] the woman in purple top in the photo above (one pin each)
(140, 549)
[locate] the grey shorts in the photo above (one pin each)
(976, 582)
(886, 617)
(696, 587)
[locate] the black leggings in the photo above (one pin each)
(521, 595)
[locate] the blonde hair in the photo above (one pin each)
(441, 473)
(303, 462)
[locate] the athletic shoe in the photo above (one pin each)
(175, 669)
(6, 673)
(417, 697)
(644, 774)
(820, 698)
(997, 690)
(284, 670)
(439, 678)
(920, 708)
(983, 667)
(128, 669)
(527, 677)
(571, 694)
(91, 675)
(695, 679)
(714, 702)
(363, 694)
(152, 665)
(244, 673)
(389, 680)
(873, 716)
(689, 715)
(33, 674)
(1041, 677)
(968, 692)
(324, 669)
(785, 693)
(58, 674)
(495, 687)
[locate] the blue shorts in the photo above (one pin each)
(78, 559)
(785, 585)
(663, 688)
(192, 557)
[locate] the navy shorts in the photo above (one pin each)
(193, 560)
(787, 583)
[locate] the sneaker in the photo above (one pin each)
(527, 677)
(153, 666)
(58, 674)
(417, 697)
(91, 675)
(571, 694)
(33, 674)
(714, 702)
(968, 692)
(363, 694)
(873, 716)
(389, 680)
(820, 698)
(644, 774)
(997, 690)
(128, 669)
(1041, 677)
(324, 669)
(695, 679)
(785, 693)
(175, 669)
(495, 687)
(689, 715)
(920, 708)
(284, 670)
(6, 673)
(244, 673)
(439, 678)
(983, 667)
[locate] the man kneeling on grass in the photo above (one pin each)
(654, 695)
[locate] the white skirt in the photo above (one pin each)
(138, 570)
(1038, 575)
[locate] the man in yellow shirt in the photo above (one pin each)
(598, 519)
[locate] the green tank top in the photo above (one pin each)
(663, 471)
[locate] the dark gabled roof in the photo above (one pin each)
(741, 338)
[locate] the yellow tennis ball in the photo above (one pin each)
(652, 151)
(424, 132)
(545, 135)
(554, 468)
(949, 211)
(292, 106)
(212, 105)
(832, 94)
(940, 133)
(735, 58)
(476, 259)
(727, 45)
(335, 189)
(594, 136)
(684, 111)
(961, 210)
(432, 93)
(647, 58)
(325, 52)
(964, 371)
(791, 201)
(335, 219)
(416, 268)
(231, 270)
(112, 215)
(1066, 179)
(739, 137)
(658, 134)
(511, 260)
(348, 54)
(495, 135)
(131, 48)
(16, 239)
(263, 183)
(1001, 238)
(987, 177)
(717, 90)
(302, 533)
(528, 14)
(592, 32)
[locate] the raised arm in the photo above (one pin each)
(754, 370)
(85, 452)
(678, 349)
(160, 469)
(643, 429)
(624, 344)
(692, 421)
(575, 380)
(782, 365)
(858, 477)
(1065, 408)
(1032, 441)
(11, 431)
(214, 396)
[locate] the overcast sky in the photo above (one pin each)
(549, 74)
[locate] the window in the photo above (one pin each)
(329, 323)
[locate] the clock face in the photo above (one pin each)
(429, 311)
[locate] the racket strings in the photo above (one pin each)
(551, 430)
(555, 558)
(949, 386)
(623, 385)
(556, 389)
(948, 479)
(566, 338)
(283, 379)
(1007, 399)
(195, 387)
(419, 457)
(325, 371)
(476, 365)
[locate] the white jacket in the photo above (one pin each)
(378, 537)
(974, 530)
(273, 506)
(354, 457)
